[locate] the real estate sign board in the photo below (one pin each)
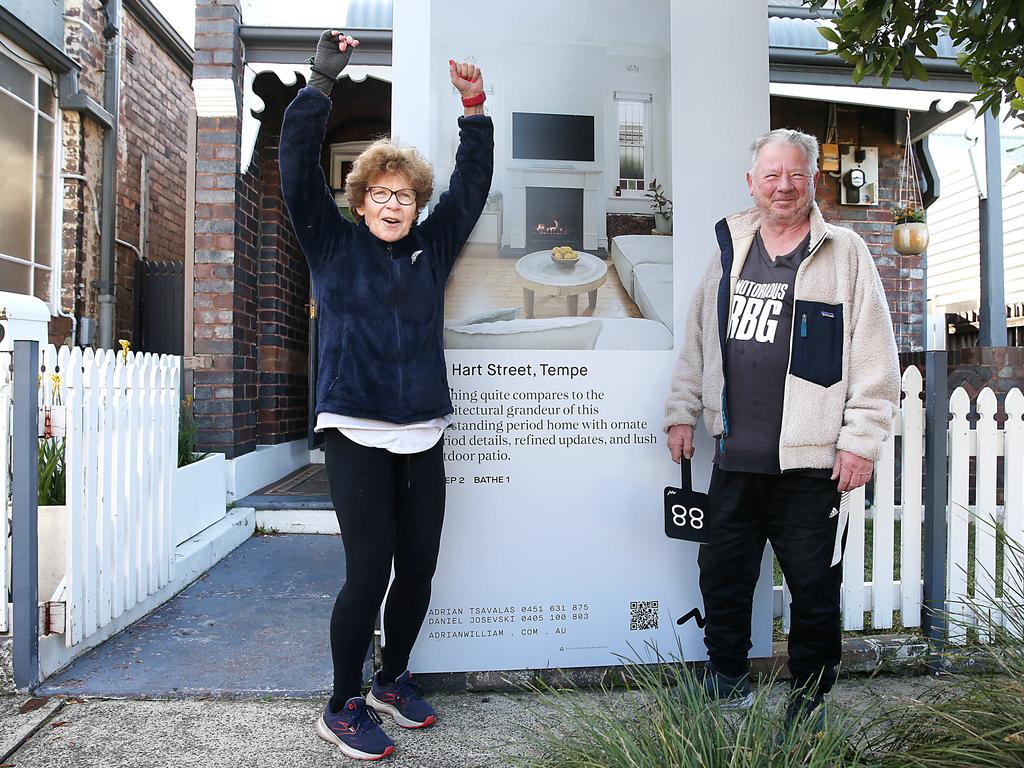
(554, 552)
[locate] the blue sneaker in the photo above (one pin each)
(356, 730)
(403, 700)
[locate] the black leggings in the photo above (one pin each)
(388, 506)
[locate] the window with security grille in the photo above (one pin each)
(28, 134)
(633, 145)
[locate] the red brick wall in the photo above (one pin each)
(902, 276)
(226, 250)
(283, 311)
(156, 96)
(974, 368)
(81, 154)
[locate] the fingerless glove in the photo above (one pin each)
(328, 63)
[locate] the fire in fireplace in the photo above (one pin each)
(554, 216)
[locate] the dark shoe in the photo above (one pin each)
(356, 730)
(806, 705)
(403, 700)
(729, 692)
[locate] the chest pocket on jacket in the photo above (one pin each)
(817, 342)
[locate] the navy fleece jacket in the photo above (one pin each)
(380, 305)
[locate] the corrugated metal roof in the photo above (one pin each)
(789, 32)
(795, 33)
(370, 14)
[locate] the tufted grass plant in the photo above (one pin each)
(52, 472)
(661, 719)
(975, 717)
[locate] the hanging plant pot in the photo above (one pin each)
(910, 233)
(910, 238)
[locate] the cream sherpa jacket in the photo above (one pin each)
(843, 384)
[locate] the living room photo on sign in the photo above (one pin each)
(573, 250)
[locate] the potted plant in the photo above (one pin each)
(53, 525)
(910, 233)
(661, 206)
(187, 431)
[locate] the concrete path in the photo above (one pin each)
(255, 624)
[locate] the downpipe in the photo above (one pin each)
(111, 101)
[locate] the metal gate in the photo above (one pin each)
(159, 323)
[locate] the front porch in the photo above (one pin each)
(297, 503)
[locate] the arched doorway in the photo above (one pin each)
(286, 313)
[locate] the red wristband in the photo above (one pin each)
(475, 101)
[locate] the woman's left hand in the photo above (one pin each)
(466, 78)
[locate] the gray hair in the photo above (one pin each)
(806, 142)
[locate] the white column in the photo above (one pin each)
(410, 67)
(719, 104)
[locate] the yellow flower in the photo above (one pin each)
(125, 346)
(55, 381)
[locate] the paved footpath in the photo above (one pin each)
(475, 730)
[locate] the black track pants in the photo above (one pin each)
(388, 506)
(796, 515)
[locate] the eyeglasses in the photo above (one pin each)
(382, 195)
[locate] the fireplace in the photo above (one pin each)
(554, 216)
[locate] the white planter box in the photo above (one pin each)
(200, 493)
(53, 546)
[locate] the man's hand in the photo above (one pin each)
(466, 78)
(851, 470)
(333, 51)
(680, 441)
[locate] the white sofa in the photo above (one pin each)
(629, 333)
(644, 266)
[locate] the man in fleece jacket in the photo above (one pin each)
(790, 357)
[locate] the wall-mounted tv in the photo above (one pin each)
(538, 136)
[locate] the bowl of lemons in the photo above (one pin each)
(564, 256)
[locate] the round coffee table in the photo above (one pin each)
(540, 275)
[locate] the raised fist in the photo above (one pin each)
(466, 78)
(333, 51)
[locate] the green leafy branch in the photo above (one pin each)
(880, 37)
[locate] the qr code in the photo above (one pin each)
(643, 614)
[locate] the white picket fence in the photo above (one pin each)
(881, 592)
(119, 416)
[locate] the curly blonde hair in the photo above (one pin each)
(384, 157)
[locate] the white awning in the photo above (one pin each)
(893, 98)
(287, 74)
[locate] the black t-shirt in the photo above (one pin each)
(757, 358)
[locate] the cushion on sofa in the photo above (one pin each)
(653, 283)
(633, 333)
(554, 333)
(629, 251)
(487, 316)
